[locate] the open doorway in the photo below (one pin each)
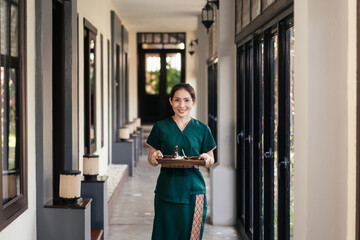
(161, 67)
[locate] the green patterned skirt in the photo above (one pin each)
(179, 221)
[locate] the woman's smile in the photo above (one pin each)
(181, 110)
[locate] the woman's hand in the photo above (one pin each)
(154, 155)
(208, 158)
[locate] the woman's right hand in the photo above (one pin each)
(154, 155)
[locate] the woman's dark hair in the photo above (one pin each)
(185, 86)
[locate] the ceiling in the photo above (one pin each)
(160, 15)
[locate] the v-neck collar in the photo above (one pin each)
(187, 125)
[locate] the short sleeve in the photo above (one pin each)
(208, 142)
(154, 139)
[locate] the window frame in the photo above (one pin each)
(357, 230)
(212, 101)
(90, 33)
(263, 222)
(15, 207)
(102, 87)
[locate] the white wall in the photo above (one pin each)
(223, 176)
(24, 227)
(351, 120)
(97, 13)
(202, 86)
(133, 81)
(191, 68)
(325, 121)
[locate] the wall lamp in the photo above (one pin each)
(207, 13)
(192, 46)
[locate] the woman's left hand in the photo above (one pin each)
(209, 160)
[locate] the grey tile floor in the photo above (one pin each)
(133, 215)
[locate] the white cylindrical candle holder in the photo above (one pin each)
(130, 127)
(124, 133)
(90, 166)
(70, 185)
(138, 122)
(134, 126)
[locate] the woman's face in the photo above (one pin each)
(182, 103)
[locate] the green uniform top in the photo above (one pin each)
(177, 184)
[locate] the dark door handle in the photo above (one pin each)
(249, 139)
(240, 135)
(269, 154)
(283, 164)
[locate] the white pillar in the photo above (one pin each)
(223, 175)
(325, 119)
(202, 88)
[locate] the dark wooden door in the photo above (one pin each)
(159, 71)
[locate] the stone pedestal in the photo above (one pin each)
(141, 145)
(97, 191)
(124, 153)
(69, 221)
(136, 138)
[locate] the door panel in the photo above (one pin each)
(152, 73)
(159, 71)
(151, 95)
(173, 70)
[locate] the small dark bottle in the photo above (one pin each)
(176, 154)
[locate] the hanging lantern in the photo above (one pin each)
(191, 48)
(207, 16)
(207, 13)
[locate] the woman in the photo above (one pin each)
(180, 194)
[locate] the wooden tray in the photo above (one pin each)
(188, 161)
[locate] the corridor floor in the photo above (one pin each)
(133, 215)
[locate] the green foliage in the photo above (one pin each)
(153, 80)
(172, 77)
(153, 83)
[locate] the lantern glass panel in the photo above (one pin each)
(210, 14)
